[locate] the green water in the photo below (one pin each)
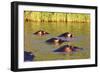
(43, 51)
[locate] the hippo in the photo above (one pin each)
(67, 49)
(28, 56)
(54, 41)
(41, 33)
(66, 35)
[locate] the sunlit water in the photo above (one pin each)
(43, 51)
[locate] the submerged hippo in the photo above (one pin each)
(67, 49)
(54, 41)
(28, 56)
(41, 33)
(66, 35)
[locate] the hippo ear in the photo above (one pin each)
(47, 33)
(35, 33)
(71, 35)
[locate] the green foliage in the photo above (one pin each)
(56, 17)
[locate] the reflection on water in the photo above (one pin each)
(44, 51)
